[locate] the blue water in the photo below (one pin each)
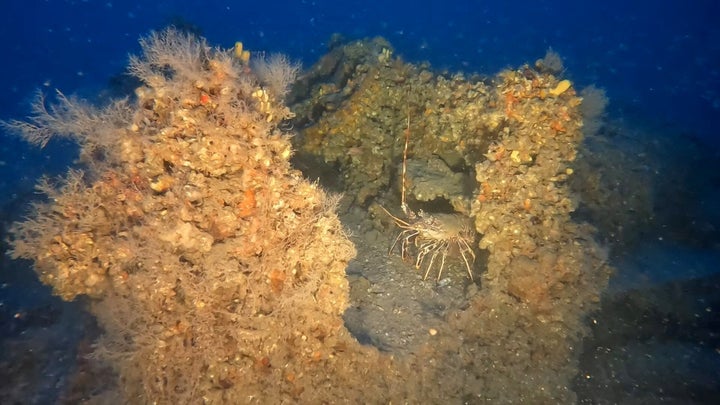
(659, 61)
(656, 58)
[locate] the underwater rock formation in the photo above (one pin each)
(217, 272)
(359, 126)
(513, 138)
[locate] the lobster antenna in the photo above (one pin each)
(403, 204)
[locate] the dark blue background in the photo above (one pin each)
(658, 59)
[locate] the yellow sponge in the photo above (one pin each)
(560, 88)
(240, 53)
